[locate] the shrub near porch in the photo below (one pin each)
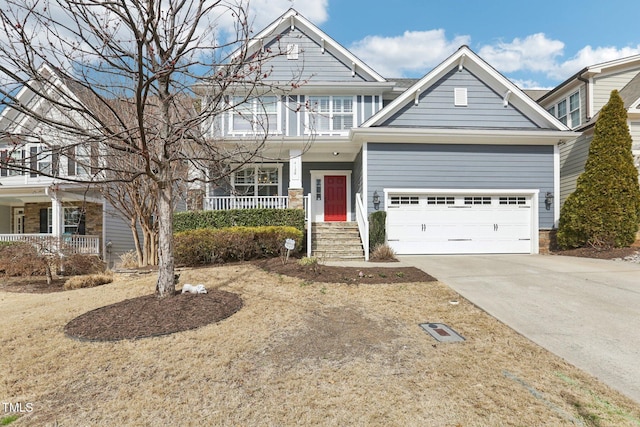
(208, 245)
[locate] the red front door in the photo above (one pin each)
(335, 198)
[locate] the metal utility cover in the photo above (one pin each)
(441, 332)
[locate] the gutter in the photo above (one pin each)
(586, 96)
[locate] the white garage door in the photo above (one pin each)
(460, 223)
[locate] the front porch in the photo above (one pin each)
(66, 244)
(52, 219)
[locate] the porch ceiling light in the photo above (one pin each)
(336, 153)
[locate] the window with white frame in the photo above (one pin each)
(263, 180)
(41, 160)
(254, 115)
(330, 114)
(568, 110)
(11, 162)
(72, 220)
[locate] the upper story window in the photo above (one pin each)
(568, 110)
(263, 180)
(254, 115)
(330, 114)
(11, 162)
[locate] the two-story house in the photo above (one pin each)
(38, 203)
(577, 101)
(461, 160)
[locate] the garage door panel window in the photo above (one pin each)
(441, 200)
(477, 200)
(404, 200)
(513, 200)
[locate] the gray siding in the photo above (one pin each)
(461, 167)
(5, 219)
(311, 62)
(436, 108)
(358, 182)
(117, 232)
(573, 156)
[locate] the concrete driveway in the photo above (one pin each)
(586, 311)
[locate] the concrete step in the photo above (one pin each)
(336, 241)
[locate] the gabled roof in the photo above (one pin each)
(592, 70)
(631, 94)
(292, 18)
(465, 57)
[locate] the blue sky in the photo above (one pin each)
(537, 44)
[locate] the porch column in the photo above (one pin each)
(56, 215)
(295, 180)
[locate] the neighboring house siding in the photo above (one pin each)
(311, 62)
(634, 128)
(485, 108)
(573, 156)
(117, 232)
(5, 219)
(461, 167)
(603, 86)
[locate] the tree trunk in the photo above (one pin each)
(136, 241)
(166, 267)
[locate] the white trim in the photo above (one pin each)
(365, 174)
(461, 136)
(257, 166)
(320, 174)
(313, 32)
(487, 75)
(556, 186)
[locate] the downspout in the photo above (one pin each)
(586, 96)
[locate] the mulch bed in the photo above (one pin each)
(599, 253)
(148, 316)
(350, 275)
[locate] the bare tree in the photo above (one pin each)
(84, 59)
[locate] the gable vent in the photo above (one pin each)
(460, 97)
(292, 51)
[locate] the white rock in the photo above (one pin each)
(194, 289)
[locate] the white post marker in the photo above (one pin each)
(289, 245)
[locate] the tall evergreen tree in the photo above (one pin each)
(605, 208)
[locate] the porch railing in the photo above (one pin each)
(363, 225)
(67, 244)
(222, 203)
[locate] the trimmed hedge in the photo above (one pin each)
(192, 220)
(209, 245)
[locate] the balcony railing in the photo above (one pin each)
(222, 203)
(89, 245)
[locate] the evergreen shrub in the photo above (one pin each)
(604, 210)
(191, 220)
(377, 229)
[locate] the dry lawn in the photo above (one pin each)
(295, 354)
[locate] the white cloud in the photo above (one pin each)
(535, 53)
(412, 52)
(264, 12)
(590, 56)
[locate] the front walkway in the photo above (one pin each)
(584, 310)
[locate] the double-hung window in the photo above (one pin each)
(11, 162)
(263, 180)
(568, 110)
(330, 114)
(254, 115)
